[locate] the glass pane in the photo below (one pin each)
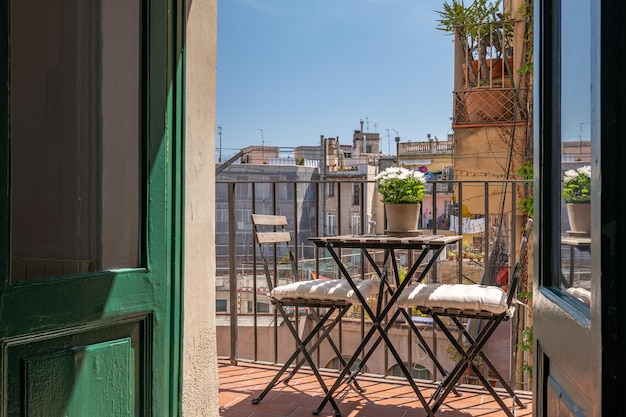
(575, 127)
(76, 129)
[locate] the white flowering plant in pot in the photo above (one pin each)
(577, 185)
(399, 185)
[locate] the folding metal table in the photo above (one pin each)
(421, 246)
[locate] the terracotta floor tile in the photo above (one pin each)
(382, 397)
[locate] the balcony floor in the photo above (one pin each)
(239, 384)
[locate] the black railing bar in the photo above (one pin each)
(320, 196)
(254, 277)
(434, 272)
(273, 202)
(513, 237)
(513, 261)
(296, 216)
(460, 231)
(233, 275)
(318, 219)
(364, 219)
(487, 227)
(338, 223)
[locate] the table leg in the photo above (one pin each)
(377, 321)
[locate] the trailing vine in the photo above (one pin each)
(526, 203)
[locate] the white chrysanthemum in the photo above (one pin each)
(570, 175)
(403, 175)
(419, 176)
(586, 171)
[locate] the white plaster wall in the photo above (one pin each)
(200, 378)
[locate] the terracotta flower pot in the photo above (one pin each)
(485, 104)
(495, 69)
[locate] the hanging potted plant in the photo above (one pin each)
(577, 197)
(402, 192)
(485, 37)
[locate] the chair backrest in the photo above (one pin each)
(270, 230)
(517, 271)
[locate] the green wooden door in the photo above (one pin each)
(90, 210)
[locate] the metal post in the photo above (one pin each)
(232, 273)
(220, 135)
(398, 150)
(460, 232)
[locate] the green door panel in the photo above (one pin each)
(100, 369)
(95, 380)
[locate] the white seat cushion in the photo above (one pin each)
(580, 293)
(323, 289)
(455, 296)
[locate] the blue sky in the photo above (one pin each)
(299, 69)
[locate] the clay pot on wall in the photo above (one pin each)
(484, 104)
(495, 69)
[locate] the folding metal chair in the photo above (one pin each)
(327, 300)
(490, 305)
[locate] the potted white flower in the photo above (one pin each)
(402, 192)
(577, 197)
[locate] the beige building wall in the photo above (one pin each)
(344, 190)
(200, 381)
(482, 153)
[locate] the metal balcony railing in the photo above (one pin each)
(488, 88)
(248, 328)
(425, 148)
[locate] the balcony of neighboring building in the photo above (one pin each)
(433, 147)
(491, 77)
